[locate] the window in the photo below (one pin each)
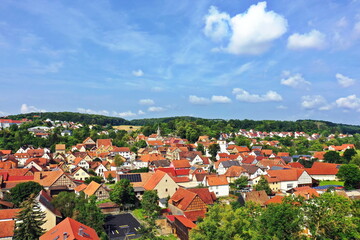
(165, 180)
(100, 192)
(166, 189)
(289, 185)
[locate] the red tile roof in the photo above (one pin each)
(9, 213)
(71, 227)
(274, 200)
(215, 180)
(154, 180)
(295, 165)
(181, 163)
(321, 168)
(104, 143)
(7, 229)
(195, 215)
(185, 221)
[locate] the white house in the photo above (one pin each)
(217, 184)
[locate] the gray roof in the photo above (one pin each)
(230, 163)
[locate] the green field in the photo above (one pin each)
(323, 183)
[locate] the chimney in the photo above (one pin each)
(41, 176)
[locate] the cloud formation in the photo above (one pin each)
(146, 102)
(138, 73)
(244, 96)
(295, 81)
(350, 102)
(251, 32)
(315, 102)
(214, 99)
(28, 109)
(156, 109)
(126, 114)
(313, 39)
(344, 81)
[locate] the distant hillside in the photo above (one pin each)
(74, 117)
(309, 126)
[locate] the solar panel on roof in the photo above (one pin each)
(131, 177)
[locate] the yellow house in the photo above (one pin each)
(52, 215)
(80, 174)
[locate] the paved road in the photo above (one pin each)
(117, 226)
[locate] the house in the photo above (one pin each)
(80, 162)
(225, 165)
(217, 184)
(324, 171)
(89, 143)
(39, 164)
(96, 189)
(60, 148)
(253, 171)
(180, 164)
(70, 229)
(258, 197)
(7, 222)
(235, 172)
(55, 181)
(192, 203)
(80, 174)
(52, 215)
(163, 184)
(123, 151)
(181, 226)
(285, 179)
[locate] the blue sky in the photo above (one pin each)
(213, 59)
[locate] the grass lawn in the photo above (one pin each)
(169, 237)
(139, 213)
(323, 183)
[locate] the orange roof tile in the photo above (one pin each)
(9, 213)
(80, 188)
(184, 163)
(277, 199)
(71, 227)
(103, 143)
(215, 180)
(234, 171)
(154, 180)
(321, 168)
(7, 229)
(185, 221)
(46, 179)
(91, 188)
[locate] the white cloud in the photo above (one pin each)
(157, 89)
(220, 99)
(349, 102)
(216, 24)
(2, 114)
(40, 68)
(140, 112)
(91, 111)
(198, 100)
(315, 102)
(251, 32)
(146, 102)
(295, 81)
(244, 96)
(357, 29)
(282, 107)
(342, 22)
(344, 81)
(126, 114)
(28, 109)
(156, 109)
(313, 39)
(138, 73)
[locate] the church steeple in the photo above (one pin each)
(158, 132)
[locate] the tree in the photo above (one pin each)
(355, 160)
(150, 203)
(200, 148)
(281, 221)
(331, 216)
(263, 185)
(213, 150)
(348, 154)
(93, 178)
(350, 173)
(110, 178)
(23, 190)
(29, 220)
(118, 160)
(239, 183)
(65, 202)
(332, 157)
(123, 193)
(88, 213)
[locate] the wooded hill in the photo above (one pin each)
(308, 126)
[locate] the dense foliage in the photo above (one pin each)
(29, 220)
(22, 191)
(329, 216)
